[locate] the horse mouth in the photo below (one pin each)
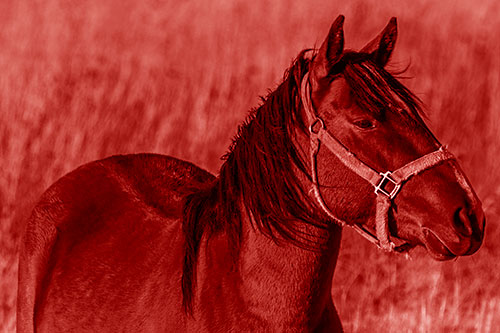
(436, 248)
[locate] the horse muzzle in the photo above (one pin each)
(463, 237)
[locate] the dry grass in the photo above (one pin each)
(83, 80)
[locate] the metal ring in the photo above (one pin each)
(311, 127)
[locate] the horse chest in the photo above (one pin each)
(269, 287)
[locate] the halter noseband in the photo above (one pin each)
(387, 184)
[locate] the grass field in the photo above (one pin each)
(83, 80)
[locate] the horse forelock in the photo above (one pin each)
(375, 89)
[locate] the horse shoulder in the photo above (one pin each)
(107, 234)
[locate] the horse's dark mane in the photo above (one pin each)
(259, 177)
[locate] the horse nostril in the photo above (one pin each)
(462, 222)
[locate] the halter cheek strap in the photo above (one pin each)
(386, 184)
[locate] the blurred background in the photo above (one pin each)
(82, 80)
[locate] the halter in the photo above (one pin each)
(386, 184)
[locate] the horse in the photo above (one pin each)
(151, 243)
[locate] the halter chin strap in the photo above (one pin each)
(386, 184)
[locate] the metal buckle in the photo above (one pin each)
(386, 178)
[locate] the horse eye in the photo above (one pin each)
(364, 124)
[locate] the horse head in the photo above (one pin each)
(363, 122)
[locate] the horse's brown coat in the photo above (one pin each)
(111, 244)
(107, 239)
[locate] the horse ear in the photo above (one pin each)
(330, 51)
(381, 46)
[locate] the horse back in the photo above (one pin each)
(104, 243)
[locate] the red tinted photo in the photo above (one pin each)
(235, 166)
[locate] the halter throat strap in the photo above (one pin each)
(386, 184)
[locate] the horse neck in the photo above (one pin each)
(281, 279)
(294, 282)
(267, 286)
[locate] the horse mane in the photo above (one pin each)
(259, 176)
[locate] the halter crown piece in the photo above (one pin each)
(386, 184)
